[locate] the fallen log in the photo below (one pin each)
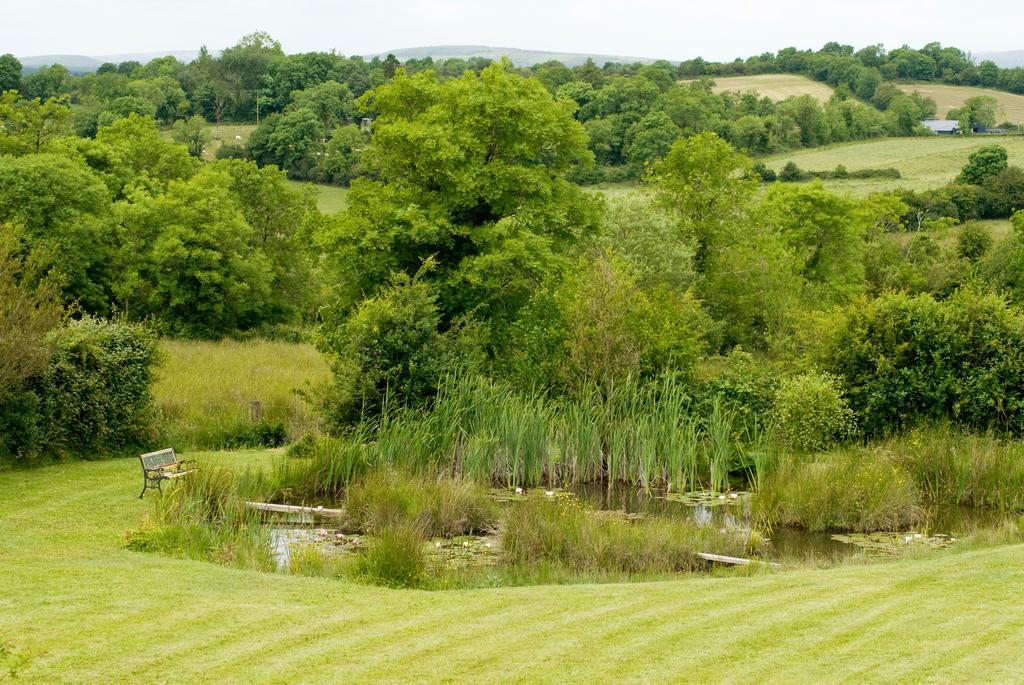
(292, 509)
(722, 559)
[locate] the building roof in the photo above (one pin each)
(941, 125)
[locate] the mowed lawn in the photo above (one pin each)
(1011, 106)
(776, 87)
(925, 162)
(97, 613)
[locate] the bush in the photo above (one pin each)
(766, 174)
(811, 412)
(973, 242)
(94, 397)
(905, 359)
(791, 173)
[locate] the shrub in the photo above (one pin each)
(811, 412)
(791, 173)
(985, 162)
(906, 358)
(848, 490)
(766, 174)
(973, 242)
(93, 398)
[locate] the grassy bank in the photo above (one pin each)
(95, 612)
(204, 389)
(776, 87)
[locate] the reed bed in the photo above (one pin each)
(643, 434)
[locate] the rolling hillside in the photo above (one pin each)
(775, 86)
(519, 57)
(1011, 107)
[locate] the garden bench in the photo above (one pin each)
(163, 465)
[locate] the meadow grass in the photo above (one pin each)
(1010, 106)
(226, 133)
(94, 611)
(924, 162)
(204, 389)
(329, 199)
(776, 87)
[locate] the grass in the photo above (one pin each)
(93, 611)
(329, 199)
(204, 389)
(776, 87)
(1010, 107)
(924, 162)
(226, 133)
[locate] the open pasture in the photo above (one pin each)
(1011, 106)
(204, 389)
(925, 162)
(777, 87)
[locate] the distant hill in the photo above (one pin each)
(83, 64)
(521, 58)
(1006, 60)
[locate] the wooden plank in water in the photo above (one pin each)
(722, 559)
(292, 509)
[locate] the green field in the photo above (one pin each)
(1011, 106)
(204, 389)
(926, 162)
(95, 612)
(329, 199)
(226, 133)
(777, 87)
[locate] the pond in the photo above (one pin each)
(942, 527)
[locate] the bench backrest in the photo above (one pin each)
(154, 460)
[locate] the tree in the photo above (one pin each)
(139, 158)
(330, 101)
(472, 173)
(48, 82)
(193, 134)
(243, 67)
(278, 214)
(30, 308)
(187, 259)
(10, 73)
(29, 125)
(977, 113)
(650, 139)
(293, 141)
(63, 208)
(342, 158)
(825, 235)
(984, 163)
(708, 184)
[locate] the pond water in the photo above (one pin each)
(941, 529)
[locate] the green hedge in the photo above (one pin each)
(93, 399)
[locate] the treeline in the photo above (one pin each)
(310, 105)
(865, 71)
(135, 226)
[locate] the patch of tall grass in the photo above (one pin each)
(847, 490)
(203, 517)
(205, 390)
(439, 507)
(550, 531)
(395, 557)
(645, 434)
(959, 468)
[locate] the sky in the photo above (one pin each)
(716, 29)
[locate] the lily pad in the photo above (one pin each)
(707, 498)
(894, 544)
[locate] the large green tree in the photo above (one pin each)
(469, 172)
